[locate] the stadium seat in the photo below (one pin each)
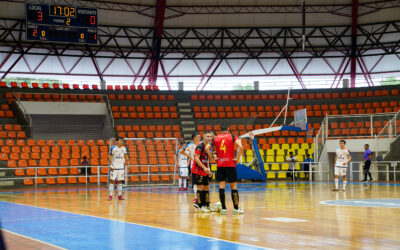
(72, 180)
(61, 180)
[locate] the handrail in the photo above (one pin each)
(110, 113)
(390, 124)
(24, 111)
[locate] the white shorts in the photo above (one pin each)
(183, 172)
(117, 175)
(340, 171)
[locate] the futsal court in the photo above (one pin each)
(278, 215)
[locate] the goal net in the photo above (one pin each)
(151, 161)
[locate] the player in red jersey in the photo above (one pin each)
(224, 146)
(201, 173)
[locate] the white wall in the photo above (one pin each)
(357, 145)
(64, 108)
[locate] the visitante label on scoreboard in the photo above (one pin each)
(61, 23)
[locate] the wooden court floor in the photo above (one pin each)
(277, 215)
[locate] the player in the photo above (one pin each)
(201, 173)
(183, 165)
(367, 163)
(224, 146)
(118, 157)
(342, 160)
(191, 148)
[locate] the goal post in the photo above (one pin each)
(151, 161)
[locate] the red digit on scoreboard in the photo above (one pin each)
(34, 33)
(40, 16)
(92, 20)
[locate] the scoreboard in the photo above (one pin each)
(61, 23)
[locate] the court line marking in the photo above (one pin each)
(173, 230)
(284, 219)
(44, 242)
(346, 205)
(213, 185)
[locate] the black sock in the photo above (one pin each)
(198, 197)
(222, 197)
(365, 176)
(207, 198)
(203, 198)
(235, 199)
(370, 177)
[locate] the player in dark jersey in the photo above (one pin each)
(224, 146)
(201, 173)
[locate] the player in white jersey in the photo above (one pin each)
(118, 158)
(191, 148)
(183, 162)
(342, 160)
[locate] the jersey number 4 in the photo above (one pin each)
(223, 146)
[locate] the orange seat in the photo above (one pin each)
(82, 179)
(144, 178)
(61, 180)
(50, 181)
(52, 171)
(72, 180)
(63, 171)
(22, 163)
(73, 171)
(28, 182)
(93, 179)
(155, 178)
(134, 178)
(19, 172)
(74, 162)
(14, 156)
(164, 177)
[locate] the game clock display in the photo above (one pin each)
(60, 23)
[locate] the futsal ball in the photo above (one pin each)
(217, 207)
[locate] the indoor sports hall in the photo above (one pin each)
(116, 117)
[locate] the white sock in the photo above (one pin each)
(111, 189)
(119, 189)
(195, 191)
(337, 183)
(180, 182)
(344, 184)
(184, 184)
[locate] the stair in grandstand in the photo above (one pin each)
(187, 121)
(393, 154)
(3, 174)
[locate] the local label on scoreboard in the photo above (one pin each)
(61, 23)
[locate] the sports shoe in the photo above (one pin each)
(238, 211)
(223, 212)
(121, 197)
(196, 205)
(109, 198)
(210, 208)
(370, 181)
(335, 190)
(180, 189)
(364, 181)
(205, 209)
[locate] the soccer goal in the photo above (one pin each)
(151, 161)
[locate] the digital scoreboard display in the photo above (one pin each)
(61, 23)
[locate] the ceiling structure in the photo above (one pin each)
(160, 42)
